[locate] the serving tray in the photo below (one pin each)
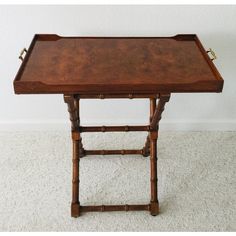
(92, 65)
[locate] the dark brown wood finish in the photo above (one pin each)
(154, 125)
(99, 65)
(156, 112)
(125, 128)
(146, 148)
(103, 208)
(149, 149)
(116, 67)
(113, 152)
(73, 109)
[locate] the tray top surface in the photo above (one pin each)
(55, 64)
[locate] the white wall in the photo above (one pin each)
(215, 25)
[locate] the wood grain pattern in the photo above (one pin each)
(94, 65)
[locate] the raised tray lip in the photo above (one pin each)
(38, 87)
(55, 37)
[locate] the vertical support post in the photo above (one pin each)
(153, 135)
(73, 109)
(152, 107)
(75, 205)
(146, 148)
(154, 205)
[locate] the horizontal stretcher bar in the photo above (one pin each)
(115, 208)
(104, 96)
(112, 152)
(126, 128)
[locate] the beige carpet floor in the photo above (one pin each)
(197, 182)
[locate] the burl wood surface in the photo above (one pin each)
(56, 64)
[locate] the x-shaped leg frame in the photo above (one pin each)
(150, 148)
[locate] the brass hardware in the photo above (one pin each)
(24, 50)
(212, 53)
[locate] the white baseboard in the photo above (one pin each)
(165, 125)
(198, 125)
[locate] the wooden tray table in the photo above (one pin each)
(116, 67)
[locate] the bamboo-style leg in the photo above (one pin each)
(75, 205)
(154, 126)
(146, 148)
(73, 109)
(154, 205)
(81, 148)
(150, 148)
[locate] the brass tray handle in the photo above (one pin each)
(212, 53)
(24, 50)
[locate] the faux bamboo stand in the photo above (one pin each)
(122, 68)
(148, 149)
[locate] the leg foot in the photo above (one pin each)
(75, 210)
(154, 208)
